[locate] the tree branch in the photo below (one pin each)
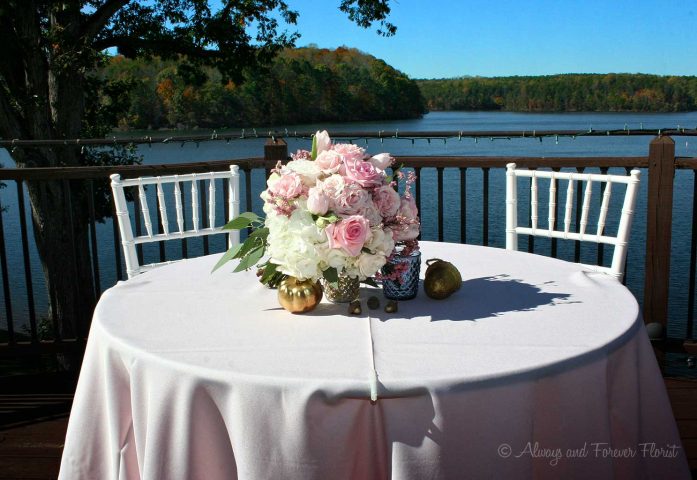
(163, 45)
(101, 17)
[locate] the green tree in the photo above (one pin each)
(50, 89)
(554, 93)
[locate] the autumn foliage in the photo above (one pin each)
(302, 85)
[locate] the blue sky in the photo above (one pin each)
(450, 38)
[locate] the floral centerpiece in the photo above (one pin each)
(331, 212)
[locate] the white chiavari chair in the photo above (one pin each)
(619, 242)
(181, 231)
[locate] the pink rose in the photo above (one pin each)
(387, 201)
(317, 201)
(288, 186)
(329, 161)
(349, 151)
(349, 234)
(351, 200)
(363, 173)
(381, 161)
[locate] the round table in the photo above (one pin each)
(535, 368)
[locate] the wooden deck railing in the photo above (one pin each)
(660, 164)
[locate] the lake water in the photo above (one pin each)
(436, 121)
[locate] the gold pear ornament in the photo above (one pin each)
(299, 296)
(442, 279)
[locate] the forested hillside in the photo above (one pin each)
(563, 93)
(301, 85)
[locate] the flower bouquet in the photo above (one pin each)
(331, 213)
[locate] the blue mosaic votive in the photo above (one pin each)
(408, 287)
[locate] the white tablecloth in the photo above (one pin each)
(533, 369)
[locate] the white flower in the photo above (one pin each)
(336, 258)
(307, 169)
(369, 264)
(381, 161)
(332, 186)
(351, 270)
(322, 141)
(381, 242)
(273, 178)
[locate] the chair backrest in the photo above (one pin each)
(599, 236)
(182, 230)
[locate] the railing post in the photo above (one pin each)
(658, 229)
(275, 149)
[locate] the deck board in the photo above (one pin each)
(683, 399)
(32, 451)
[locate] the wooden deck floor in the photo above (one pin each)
(32, 450)
(683, 398)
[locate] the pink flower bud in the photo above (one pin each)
(317, 202)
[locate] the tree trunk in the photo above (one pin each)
(47, 101)
(61, 234)
(65, 255)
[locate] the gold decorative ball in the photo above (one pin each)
(442, 279)
(299, 296)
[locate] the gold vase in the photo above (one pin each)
(299, 296)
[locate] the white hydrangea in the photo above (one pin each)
(293, 244)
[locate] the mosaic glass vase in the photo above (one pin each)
(406, 287)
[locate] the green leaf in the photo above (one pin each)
(271, 277)
(313, 154)
(237, 223)
(244, 220)
(229, 255)
(250, 215)
(331, 276)
(251, 259)
(249, 244)
(261, 233)
(370, 281)
(269, 272)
